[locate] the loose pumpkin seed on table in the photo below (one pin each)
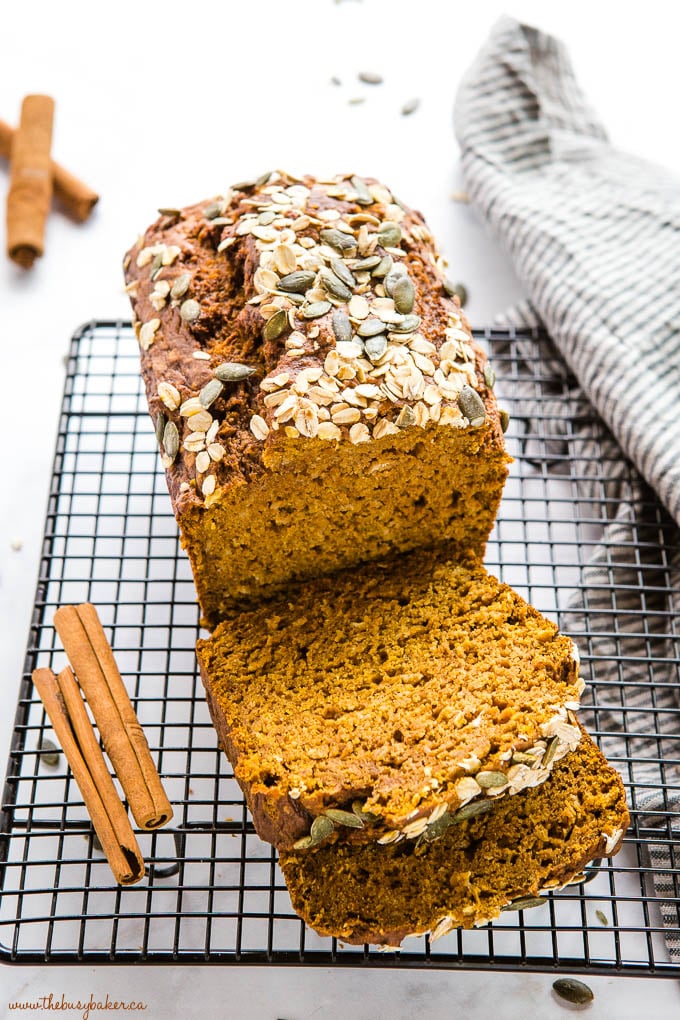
(571, 990)
(410, 107)
(49, 753)
(370, 78)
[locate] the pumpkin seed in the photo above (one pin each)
(262, 179)
(489, 780)
(337, 240)
(210, 392)
(303, 844)
(489, 376)
(166, 210)
(389, 234)
(370, 78)
(522, 758)
(409, 324)
(49, 753)
(364, 197)
(460, 291)
(404, 294)
(526, 903)
(602, 918)
(316, 309)
(504, 417)
(161, 421)
(396, 273)
(342, 327)
(365, 816)
(297, 282)
(232, 371)
(180, 286)
(190, 310)
(406, 418)
(370, 262)
(212, 211)
(171, 440)
(375, 347)
(472, 406)
(383, 268)
(321, 829)
(347, 818)
(156, 266)
(576, 992)
(549, 752)
(371, 327)
(334, 286)
(438, 828)
(275, 326)
(343, 273)
(410, 107)
(477, 807)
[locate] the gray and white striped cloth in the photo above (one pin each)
(594, 235)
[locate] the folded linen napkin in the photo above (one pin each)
(594, 234)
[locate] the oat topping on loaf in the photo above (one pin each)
(306, 364)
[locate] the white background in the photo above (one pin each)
(168, 103)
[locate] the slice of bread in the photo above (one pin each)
(525, 845)
(380, 698)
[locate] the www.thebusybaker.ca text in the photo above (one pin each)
(85, 1007)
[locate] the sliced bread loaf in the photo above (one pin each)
(523, 846)
(362, 706)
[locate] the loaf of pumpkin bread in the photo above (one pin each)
(316, 392)
(363, 706)
(469, 871)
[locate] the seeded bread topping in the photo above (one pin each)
(303, 354)
(505, 859)
(388, 702)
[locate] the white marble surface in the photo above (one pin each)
(166, 104)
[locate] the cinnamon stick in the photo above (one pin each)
(74, 195)
(30, 186)
(74, 733)
(92, 659)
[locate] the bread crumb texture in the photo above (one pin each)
(416, 687)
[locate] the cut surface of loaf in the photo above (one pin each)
(538, 840)
(389, 695)
(317, 395)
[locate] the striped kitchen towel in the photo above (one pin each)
(594, 235)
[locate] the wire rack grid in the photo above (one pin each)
(213, 891)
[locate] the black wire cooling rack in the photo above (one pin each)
(213, 892)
